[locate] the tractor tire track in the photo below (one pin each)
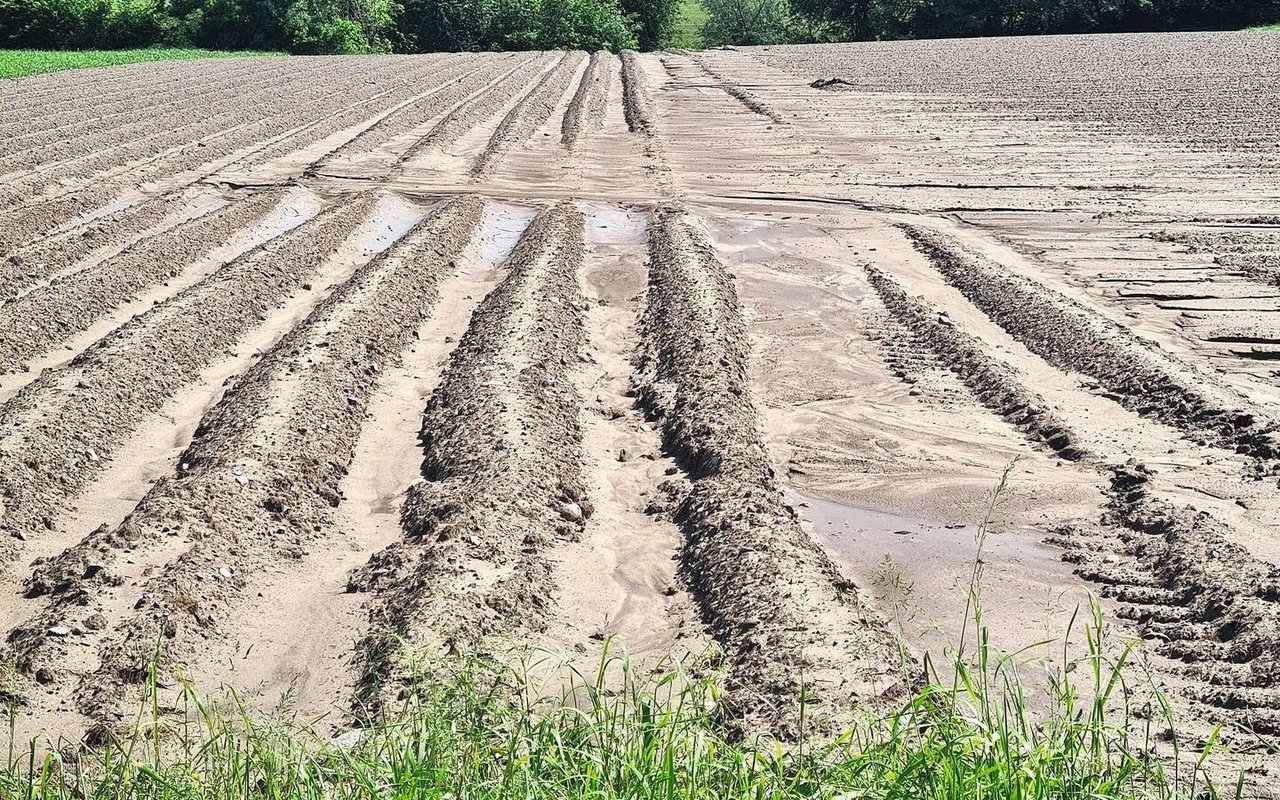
(1071, 336)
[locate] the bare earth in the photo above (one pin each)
(308, 364)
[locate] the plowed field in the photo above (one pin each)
(308, 365)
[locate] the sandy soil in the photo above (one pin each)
(429, 354)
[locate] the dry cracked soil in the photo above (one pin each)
(310, 365)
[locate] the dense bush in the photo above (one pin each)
(879, 19)
(460, 25)
(409, 26)
(334, 26)
(301, 26)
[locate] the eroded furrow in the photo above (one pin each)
(739, 93)
(168, 137)
(502, 473)
(1071, 336)
(46, 317)
(111, 138)
(585, 114)
(474, 110)
(637, 106)
(535, 108)
(260, 482)
(139, 97)
(456, 82)
(788, 621)
(185, 164)
(48, 103)
(112, 232)
(56, 432)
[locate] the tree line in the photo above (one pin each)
(413, 26)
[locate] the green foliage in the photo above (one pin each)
(16, 63)
(302, 26)
(687, 30)
(655, 21)
(479, 731)
(869, 19)
(747, 22)
(468, 25)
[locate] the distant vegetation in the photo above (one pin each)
(408, 26)
(337, 26)
(15, 63)
(781, 21)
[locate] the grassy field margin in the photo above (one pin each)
(17, 63)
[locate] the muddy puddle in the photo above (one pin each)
(917, 572)
(613, 225)
(500, 229)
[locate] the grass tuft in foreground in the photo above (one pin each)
(483, 735)
(483, 732)
(16, 63)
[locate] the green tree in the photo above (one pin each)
(746, 22)
(442, 25)
(656, 21)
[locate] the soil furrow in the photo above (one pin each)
(292, 636)
(86, 115)
(788, 621)
(335, 123)
(47, 317)
(993, 382)
(748, 100)
(101, 137)
(177, 135)
(637, 107)
(535, 108)
(502, 472)
(59, 429)
(1070, 336)
(190, 164)
(458, 80)
(472, 111)
(28, 265)
(259, 483)
(585, 114)
(620, 578)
